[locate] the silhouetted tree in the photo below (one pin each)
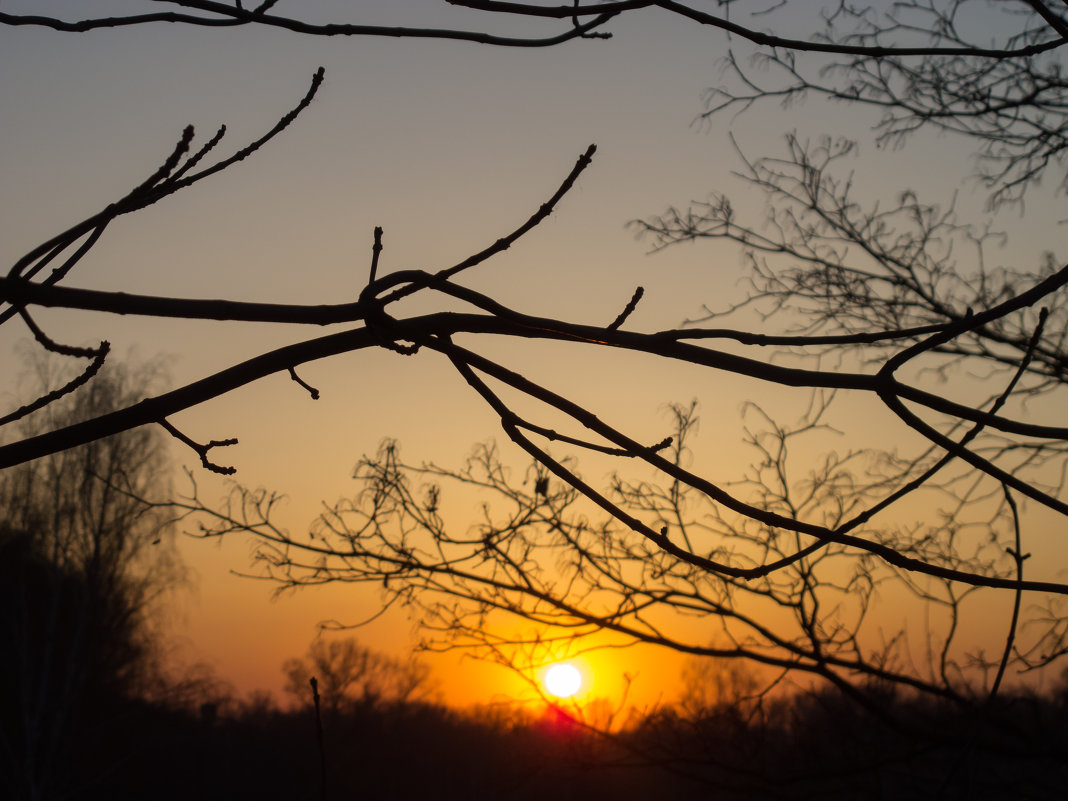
(349, 673)
(834, 264)
(795, 546)
(932, 42)
(823, 262)
(83, 562)
(540, 568)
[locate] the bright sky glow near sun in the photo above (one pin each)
(447, 146)
(562, 680)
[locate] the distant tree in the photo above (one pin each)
(711, 685)
(83, 563)
(349, 673)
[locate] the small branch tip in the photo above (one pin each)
(311, 390)
(202, 450)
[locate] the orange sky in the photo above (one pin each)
(447, 146)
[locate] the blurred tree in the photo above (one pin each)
(717, 685)
(350, 673)
(991, 73)
(84, 563)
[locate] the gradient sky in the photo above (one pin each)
(447, 145)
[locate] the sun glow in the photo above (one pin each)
(562, 680)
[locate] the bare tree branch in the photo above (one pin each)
(222, 15)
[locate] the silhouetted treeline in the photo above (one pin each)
(810, 746)
(375, 751)
(824, 745)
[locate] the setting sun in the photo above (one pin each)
(562, 680)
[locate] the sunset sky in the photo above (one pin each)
(447, 146)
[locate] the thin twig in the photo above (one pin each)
(628, 309)
(376, 249)
(311, 390)
(202, 450)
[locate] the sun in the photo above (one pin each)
(562, 680)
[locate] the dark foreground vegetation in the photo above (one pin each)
(813, 746)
